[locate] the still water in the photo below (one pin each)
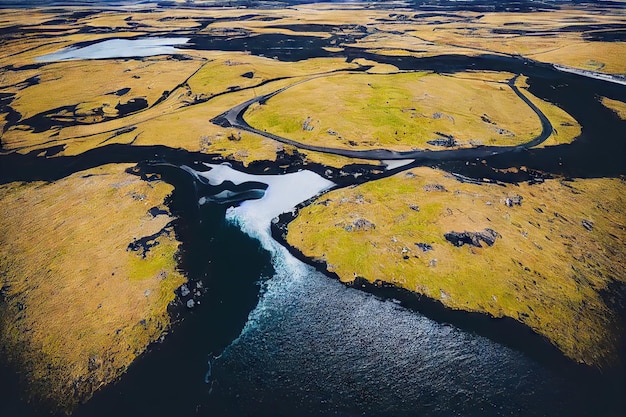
(117, 48)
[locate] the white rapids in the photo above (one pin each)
(316, 345)
(283, 194)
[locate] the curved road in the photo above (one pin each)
(234, 118)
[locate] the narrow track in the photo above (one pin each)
(234, 118)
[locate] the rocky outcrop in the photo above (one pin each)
(513, 200)
(360, 225)
(473, 238)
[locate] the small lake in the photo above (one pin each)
(118, 48)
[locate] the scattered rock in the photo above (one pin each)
(147, 292)
(359, 199)
(93, 363)
(472, 238)
(414, 207)
(425, 247)
(445, 135)
(325, 203)
(435, 187)
(437, 115)
(205, 143)
(190, 303)
(361, 225)
(486, 119)
(446, 143)
(587, 224)
(137, 197)
(184, 290)
(505, 132)
(331, 132)
(514, 200)
(306, 126)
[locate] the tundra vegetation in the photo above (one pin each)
(78, 306)
(548, 263)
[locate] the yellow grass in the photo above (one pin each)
(619, 107)
(565, 47)
(604, 57)
(565, 128)
(546, 270)
(90, 86)
(398, 111)
(79, 306)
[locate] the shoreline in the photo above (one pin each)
(504, 330)
(611, 78)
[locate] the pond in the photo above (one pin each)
(118, 48)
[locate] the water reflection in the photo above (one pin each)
(118, 48)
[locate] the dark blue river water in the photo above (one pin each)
(315, 347)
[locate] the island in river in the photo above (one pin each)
(474, 158)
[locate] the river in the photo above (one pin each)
(312, 346)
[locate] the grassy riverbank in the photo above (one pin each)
(554, 261)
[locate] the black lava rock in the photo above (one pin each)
(472, 238)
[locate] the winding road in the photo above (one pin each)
(234, 118)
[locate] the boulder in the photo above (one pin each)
(184, 290)
(472, 238)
